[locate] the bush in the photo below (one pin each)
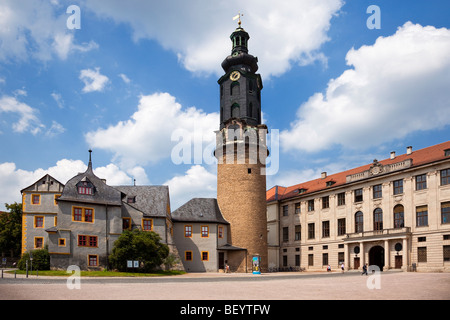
(41, 260)
(144, 246)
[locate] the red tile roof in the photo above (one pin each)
(419, 157)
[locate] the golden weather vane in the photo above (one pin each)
(238, 17)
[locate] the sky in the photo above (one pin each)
(345, 82)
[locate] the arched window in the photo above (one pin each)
(378, 219)
(359, 222)
(235, 88)
(399, 216)
(235, 111)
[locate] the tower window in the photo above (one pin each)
(249, 170)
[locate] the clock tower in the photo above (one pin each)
(241, 152)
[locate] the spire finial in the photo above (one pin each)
(90, 160)
(239, 18)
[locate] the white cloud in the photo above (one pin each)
(146, 136)
(397, 86)
(93, 80)
(282, 32)
(28, 120)
(58, 99)
(14, 180)
(55, 129)
(196, 183)
(124, 78)
(36, 29)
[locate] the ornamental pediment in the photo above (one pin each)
(377, 169)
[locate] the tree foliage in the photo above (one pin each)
(41, 260)
(11, 229)
(143, 246)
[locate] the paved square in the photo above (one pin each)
(212, 286)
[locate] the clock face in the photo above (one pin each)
(235, 75)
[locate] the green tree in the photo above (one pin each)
(11, 230)
(41, 260)
(144, 246)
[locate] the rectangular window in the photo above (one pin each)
(311, 231)
(285, 211)
(205, 255)
(325, 229)
(82, 242)
(421, 182)
(298, 209)
(398, 186)
(82, 214)
(341, 227)
(85, 190)
(341, 258)
(38, 243)
(297, 260)
(422, 216)
(285, 234)
(35, 199)
(285, 261)
(325, 202)
(188, 231)
(298, 232)
(377, 191)
(341, 199)
(324, 259)
(445, 177)
(61, 242)
(445, 212)
(188, 255)
(87, 241)
(77, 214)
(310, 205)
(310, 260)
(358, 195)
(88, 215)
(422, 254)
(446, 253)
(220, 232)
(147, 224)
(205, 231)
(38, 222)
(126, 223)
(93, 260)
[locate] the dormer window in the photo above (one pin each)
(447, 152)
(131, 199)
(330, 183)
(85, 187)
(301, 190)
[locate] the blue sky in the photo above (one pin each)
(338, 93)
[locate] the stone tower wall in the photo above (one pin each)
(241, 195)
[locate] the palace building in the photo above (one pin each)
(393, 213)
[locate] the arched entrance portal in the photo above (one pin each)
(376, 257)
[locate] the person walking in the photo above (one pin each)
(365, 270)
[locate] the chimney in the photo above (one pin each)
(409, 150)
(392, 154)
(323, 175)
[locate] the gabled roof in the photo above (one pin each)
(152, 201)
(415, 158)
(199, 210)
(47, 177)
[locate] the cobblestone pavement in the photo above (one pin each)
(390, 285)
